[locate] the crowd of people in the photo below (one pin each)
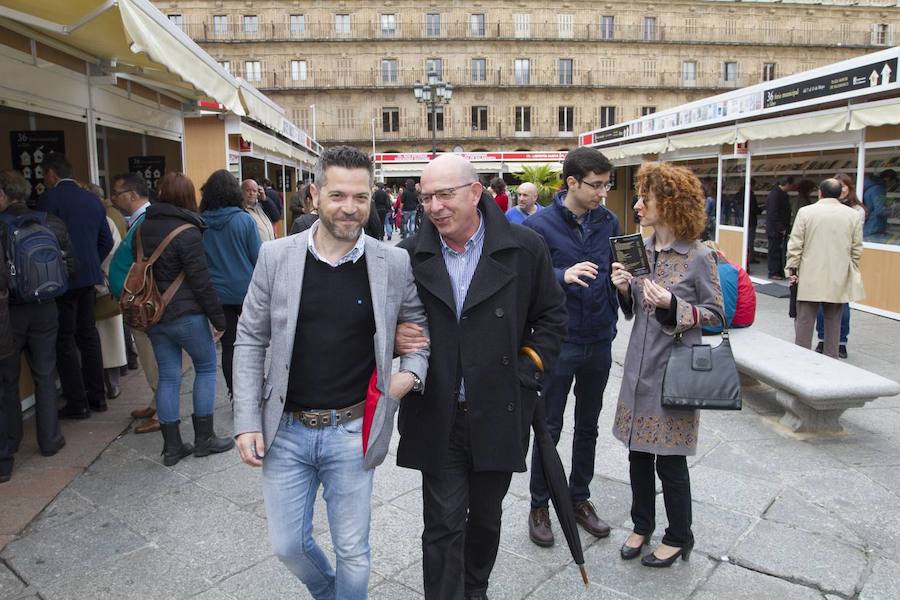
(490, 308)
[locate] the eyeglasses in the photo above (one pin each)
(119, 193)
(599, 185)
(443, 195)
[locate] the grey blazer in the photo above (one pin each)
(269, 321)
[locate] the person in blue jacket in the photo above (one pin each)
(231, 243)
(577, 228)
(875, 189)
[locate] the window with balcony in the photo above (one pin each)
(566, 25)
(730, 29)
(388, 25)
(342, 24)
(648, 68)
(390, 119)
(434, 65)
(297, 24)
(690, 28)
(438, 118)
(730, 71)
(220, 24)
(607, 27)
(390, 69)
(522, 25)
(345, 117)
(177, 20)
(476, 25)
(607, 116)
(523, 119)
(479, 118)
(648, 31)
(846, 34)
(225, 64)
(689, 71)
(252, 70)
(301, 117)
(768, 72)
(770, 30)
(882, 34)
(647, 110)
(566, 119)
(479, 69)
(565, 71)
(607, 66)
(298, 70)
(522, 71)
(251, 23)
(433, 24)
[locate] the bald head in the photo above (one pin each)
(250, 192)
(451, 164)
(528, 195)
(450, 195)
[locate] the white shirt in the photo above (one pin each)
(353, 255)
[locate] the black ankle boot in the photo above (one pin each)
(173, 448)
(205, 440)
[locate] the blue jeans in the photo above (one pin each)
(388, 225)
(299, 459)
(588, 365)
(845, 324)
(409, 223)
(192, 334)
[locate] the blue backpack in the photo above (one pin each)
(37, 264)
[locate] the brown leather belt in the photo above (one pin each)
(319, 418)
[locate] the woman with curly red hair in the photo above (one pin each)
(680, 295)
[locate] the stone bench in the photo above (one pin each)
(813, 389)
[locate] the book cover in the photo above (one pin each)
(629, 250)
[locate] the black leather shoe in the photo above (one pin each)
(587, 518)
(205, 440)
(73, 412)
(842, 351)
(53, 451)
(628, 552)
(651, 560)
(820, 347)
(539, 530)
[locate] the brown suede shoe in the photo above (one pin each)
(143, 413)
(539, 527)
(148, 426)
(587, 518)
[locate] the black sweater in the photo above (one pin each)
(197, 294)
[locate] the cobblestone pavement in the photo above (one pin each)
(774, 516)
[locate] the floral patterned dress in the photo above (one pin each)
(688, 270)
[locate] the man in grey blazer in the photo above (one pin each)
(324, 411)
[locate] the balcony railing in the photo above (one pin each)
(282, 31)
(461, 78)
(416, 129)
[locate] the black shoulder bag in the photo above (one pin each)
(702, 376)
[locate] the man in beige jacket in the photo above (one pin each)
(823, 260)
(250, 194)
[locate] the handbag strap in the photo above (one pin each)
(162, 245)
(723, 333)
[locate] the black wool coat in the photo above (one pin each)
(185, 253)
(513, 301)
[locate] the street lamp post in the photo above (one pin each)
(432, 93)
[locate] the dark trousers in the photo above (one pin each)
(232, 314)
(78, 357)
(34, 333)
(776, 252)
(845, 324)
(588, 365)
(462, 510)
(676, 485)
(806, 322)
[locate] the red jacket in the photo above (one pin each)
(502, 201)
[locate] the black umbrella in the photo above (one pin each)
(555, 475)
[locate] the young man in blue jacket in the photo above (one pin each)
(577, 228)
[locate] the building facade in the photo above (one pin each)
(527, 76)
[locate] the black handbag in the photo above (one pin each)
(702, 376)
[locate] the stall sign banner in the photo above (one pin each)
(151, 168)
(29, 148)
(873, 75)
(610, 134)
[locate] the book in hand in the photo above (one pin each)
(629, 250)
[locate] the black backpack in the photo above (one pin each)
(34, 259)
(6, 340)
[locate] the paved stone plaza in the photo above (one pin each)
(774, 516)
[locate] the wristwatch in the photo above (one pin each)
(418, 386)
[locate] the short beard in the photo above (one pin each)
(337, 234)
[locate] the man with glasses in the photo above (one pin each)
(131, 196)
(496, 317)
(577, 228)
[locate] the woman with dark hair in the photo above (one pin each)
(184, 326)
(500, 196)
(232, 244)
(680, 296)
(848, 198)
(310, 212)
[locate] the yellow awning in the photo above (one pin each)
(636, 149)
(793, 126)
(260, 108)
(129, 36)
(261, 139)
(702, 138)
(888, 114)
